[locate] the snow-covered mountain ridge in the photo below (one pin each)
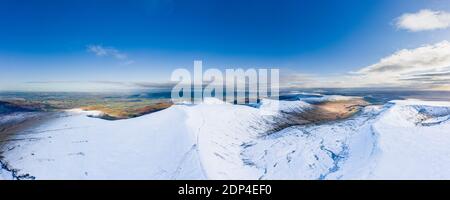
(401, 140)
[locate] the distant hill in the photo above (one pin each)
(153, 95)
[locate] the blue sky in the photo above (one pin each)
(73, 44)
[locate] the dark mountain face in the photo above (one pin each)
(7, 107)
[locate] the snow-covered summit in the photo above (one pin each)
(275, 106)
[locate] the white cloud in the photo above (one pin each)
(102, 51)
(428, 57)
(424, 20)
(425, 67)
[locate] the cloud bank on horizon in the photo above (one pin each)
(424, 67)
(408, 67)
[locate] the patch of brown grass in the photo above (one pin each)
(319, 113)
(126, 111)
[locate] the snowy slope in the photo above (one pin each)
(182, 142)
(395, 141)
(327, 151)
(400, 140)
(79, 147)
(414, 138)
